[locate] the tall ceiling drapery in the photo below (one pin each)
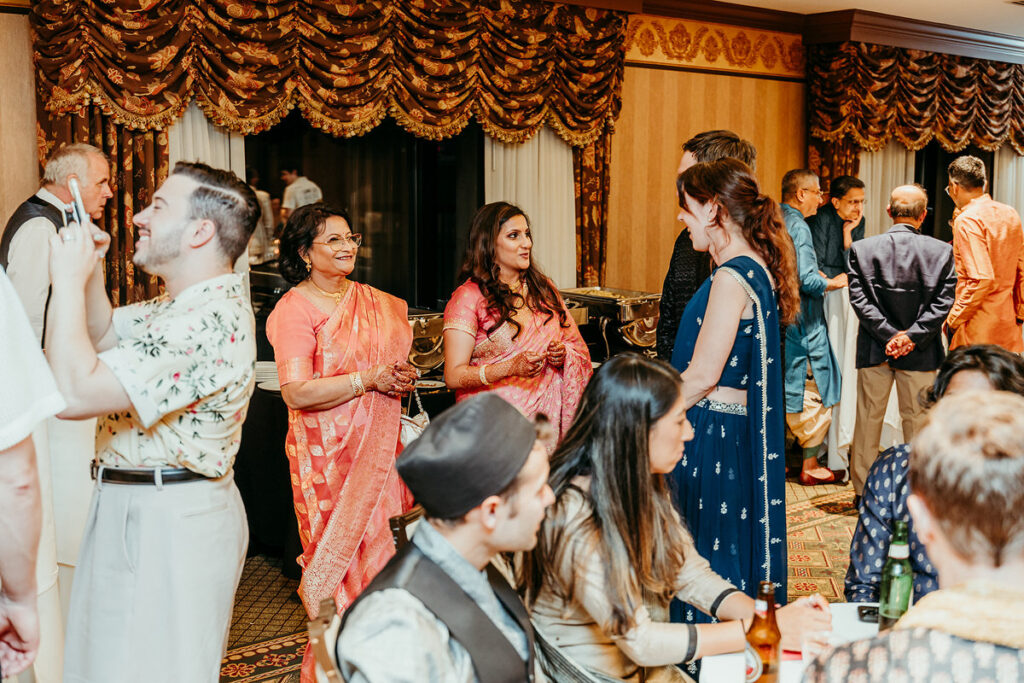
(432, 65)
(861, 96)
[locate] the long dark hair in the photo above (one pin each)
(479, 266)
(304, 225)
(731, 184)
(634, 526)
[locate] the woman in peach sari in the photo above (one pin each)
(341, 349)
(506, 328)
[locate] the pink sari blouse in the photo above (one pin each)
(555, 392)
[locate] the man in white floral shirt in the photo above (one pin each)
(170, 379)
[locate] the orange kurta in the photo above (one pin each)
(988, 247)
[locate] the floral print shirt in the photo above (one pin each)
(188, 366)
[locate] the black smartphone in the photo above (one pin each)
(868, 613)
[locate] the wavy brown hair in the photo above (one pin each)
(731, 184)
(479, 266)
(633, 525)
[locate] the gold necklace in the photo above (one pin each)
(337, 296)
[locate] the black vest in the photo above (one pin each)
(495, 660)
(33, 207)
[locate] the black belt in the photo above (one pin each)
(165, 475)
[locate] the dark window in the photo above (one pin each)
(930, 166)
(412, 199)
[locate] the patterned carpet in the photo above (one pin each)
(268, 632)
(268, 628)
(820, 523)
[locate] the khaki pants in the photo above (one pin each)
(874, 385)
(810, 427)
(156, 583)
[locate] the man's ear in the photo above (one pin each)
(888, 211)
(924, 522)
(835, 202)
(488, 511)
(203, 231)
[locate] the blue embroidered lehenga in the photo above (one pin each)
(730, 484)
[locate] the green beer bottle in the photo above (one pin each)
(897, 579)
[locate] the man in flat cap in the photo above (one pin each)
(439, 611)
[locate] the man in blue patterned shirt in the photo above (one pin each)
(981, 367)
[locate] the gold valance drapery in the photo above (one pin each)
(866, 95)
(430, 64)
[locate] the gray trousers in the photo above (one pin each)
(155, 583)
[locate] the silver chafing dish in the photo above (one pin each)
(632, 315)
(427, 352)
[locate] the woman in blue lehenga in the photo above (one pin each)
(731, 481)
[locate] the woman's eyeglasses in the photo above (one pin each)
(339, 243)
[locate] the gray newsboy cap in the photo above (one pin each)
(471, 451)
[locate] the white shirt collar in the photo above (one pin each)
(51, 198)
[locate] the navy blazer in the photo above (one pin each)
(901, 281)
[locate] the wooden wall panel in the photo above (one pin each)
(19, 172)
(663, 108)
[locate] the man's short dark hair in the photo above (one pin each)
(794, 180)
(712, 145)
(901, 208)
(841, 186)
(968, 172)
(224, 199)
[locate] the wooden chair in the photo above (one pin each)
(402, 526)
(323, 640)
(323, 631)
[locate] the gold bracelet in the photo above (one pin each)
(357, 384)
(483, 375)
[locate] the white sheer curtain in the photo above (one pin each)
(194, 138)
(881, 172)
(1008, 181)
(536, 176)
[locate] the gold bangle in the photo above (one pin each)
(483, 375)
(357, 384)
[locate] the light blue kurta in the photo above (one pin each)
(807, 339)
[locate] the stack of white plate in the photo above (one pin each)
(266, 375)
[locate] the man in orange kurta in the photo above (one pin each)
(988, 247)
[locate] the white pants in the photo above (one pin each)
(156, 582)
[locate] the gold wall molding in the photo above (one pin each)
(701, 45)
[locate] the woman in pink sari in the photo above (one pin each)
(506, 328)
(341, 349)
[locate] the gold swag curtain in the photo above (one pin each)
(861, 96)
(430, 64)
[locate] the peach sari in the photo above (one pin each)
(342, 460)
(555, 392)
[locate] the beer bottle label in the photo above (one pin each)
(899, 551)
(761, 608)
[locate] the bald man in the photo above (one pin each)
(902, 285)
